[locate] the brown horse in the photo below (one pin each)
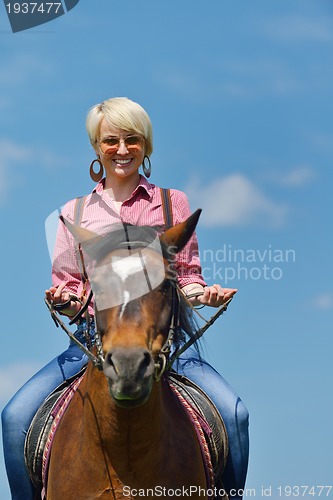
(125, 434)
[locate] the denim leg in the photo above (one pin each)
(233, 412)
(17, 416)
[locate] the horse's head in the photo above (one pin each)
(136, 302)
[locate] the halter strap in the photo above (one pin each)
(167, 207)
(78, 211)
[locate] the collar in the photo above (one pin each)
(143, 185)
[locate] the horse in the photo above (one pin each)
(125, 433)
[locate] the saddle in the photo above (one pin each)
(211, 421)
(197, 405)
(43, 426)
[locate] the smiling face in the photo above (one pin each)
(121, 152)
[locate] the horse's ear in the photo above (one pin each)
(179, 235)
(80, 234)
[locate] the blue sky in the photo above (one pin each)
(240, 95)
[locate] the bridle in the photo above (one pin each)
(164, 361)
(98, 359)
(174, 326)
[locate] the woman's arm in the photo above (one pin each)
(66, 276)
(188, 264)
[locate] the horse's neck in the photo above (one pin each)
(149, 445)
(144, 426)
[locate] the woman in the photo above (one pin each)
(121, 135)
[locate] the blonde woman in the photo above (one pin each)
(120, 132)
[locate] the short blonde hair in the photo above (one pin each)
(121, 113)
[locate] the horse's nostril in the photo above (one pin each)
(144, 364)
(109, 361)
(146, 358)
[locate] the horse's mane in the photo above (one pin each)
(188, 325)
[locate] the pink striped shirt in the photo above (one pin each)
(142, 208)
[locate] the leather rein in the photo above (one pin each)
(96, 360)
(164, 361)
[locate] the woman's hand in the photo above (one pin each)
(213, 296)
(57, 295)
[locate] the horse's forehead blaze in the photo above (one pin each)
(134, 264)
(122, 277)
(134, 320)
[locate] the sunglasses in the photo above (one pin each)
(110, 145)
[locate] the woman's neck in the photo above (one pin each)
(121, 189)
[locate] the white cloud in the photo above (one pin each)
(12, 151)
(258, 77)
(16, 70)
(322, 141)
(181, 81)
(302, 29)
(12, 377)
(51, 160)
(323, 301)
(3, 103)
(235, 201)
(297, 177)
(237, 79)
(14, 155)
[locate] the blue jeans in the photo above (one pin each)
(19, 412)
(234, 414)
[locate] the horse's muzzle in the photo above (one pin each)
(130, 372)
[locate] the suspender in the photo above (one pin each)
(167, 207)
(78, 211)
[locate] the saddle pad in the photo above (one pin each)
(42, 428)
(205, 417)
(209, 418)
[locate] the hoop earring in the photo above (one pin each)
(96, 176)
(146, 170)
